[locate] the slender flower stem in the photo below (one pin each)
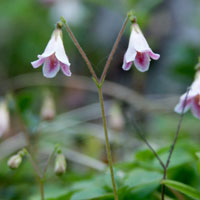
(48, 163)
(103, 76)
(76, 43)
(141, 135)
(109, 155)
(42, 189)
(174, 143)
(38, 174)
(34, 164)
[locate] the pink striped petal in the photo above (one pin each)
(195, 106)
(60, 50)
(142, 61)
(65, 69)
(38, 62)
(153, 55)
(179, 106)
(126, 66)
(51, 67)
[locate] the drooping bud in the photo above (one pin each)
(116, 120)
(60, 164)
(48, 110)
(15, 160)
(4, 118)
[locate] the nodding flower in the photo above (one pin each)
(138, 51)
(193, 99)
(54, 57)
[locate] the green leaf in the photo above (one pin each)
(185, 189)
(89, 193)
(139, 178)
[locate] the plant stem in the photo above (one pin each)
(34, 164)
(48, 163)
(38, 174)
(42, 189)
(174, 143)
(109, 155)
(141, 135)
(103, 76)
(76, 43)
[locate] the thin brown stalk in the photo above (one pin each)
(78, 46)
(103, 76)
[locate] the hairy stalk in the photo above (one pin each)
(173, 144)
(103, 76)
(141, 135)
(83, 54)
(109, 155)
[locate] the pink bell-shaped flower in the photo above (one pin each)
(193, 99)
(138, 51)
(54, 57)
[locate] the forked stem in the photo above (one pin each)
(40, 176)
(99, 83)
(78, 46)
(174, 143)
(103, 76)
(109, 155)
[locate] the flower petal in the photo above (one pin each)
(38, 62)
(142, 61)
(51, 67)
(126, 66)
(60, 51)
(129, 57)
(153, 55)
(138, 40)
(65, 69)
(195, 107)
(179, 106)
(51, 46)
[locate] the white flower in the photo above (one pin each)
(138, 51)
(54, 57)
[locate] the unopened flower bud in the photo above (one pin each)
(60, 164)
(15, 161)
(4, 118)
(48, 111)
(116, 120)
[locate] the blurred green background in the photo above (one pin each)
(172, 29)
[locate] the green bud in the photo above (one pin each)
(60, 164)
(132, 17)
